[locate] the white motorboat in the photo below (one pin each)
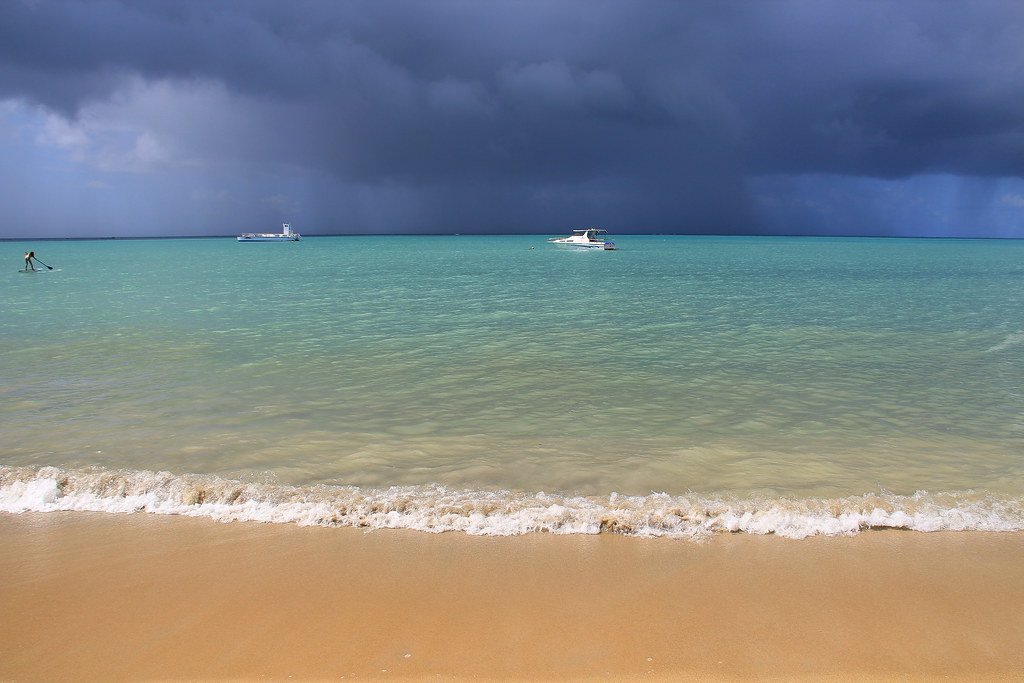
(587, 238)
(286, 235)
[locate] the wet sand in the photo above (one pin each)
(108, 597)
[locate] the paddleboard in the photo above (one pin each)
(26, 270)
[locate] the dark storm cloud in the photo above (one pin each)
(647, 115)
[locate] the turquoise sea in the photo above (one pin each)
(680, 386)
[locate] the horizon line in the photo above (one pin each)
(512, 234)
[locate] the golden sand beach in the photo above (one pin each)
(144, 597)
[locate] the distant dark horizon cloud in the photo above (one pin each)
(139, 118)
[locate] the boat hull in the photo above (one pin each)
(607, 246)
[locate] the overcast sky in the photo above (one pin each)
(809, 117)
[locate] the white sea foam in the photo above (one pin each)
(1011, 340)
(497, 513)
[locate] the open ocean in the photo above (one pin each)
(681, 386)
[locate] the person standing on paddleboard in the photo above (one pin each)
(29, 255)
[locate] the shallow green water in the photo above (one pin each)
(796, 368)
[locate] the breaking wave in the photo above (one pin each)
(498, 513)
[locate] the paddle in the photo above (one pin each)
(50, 267)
